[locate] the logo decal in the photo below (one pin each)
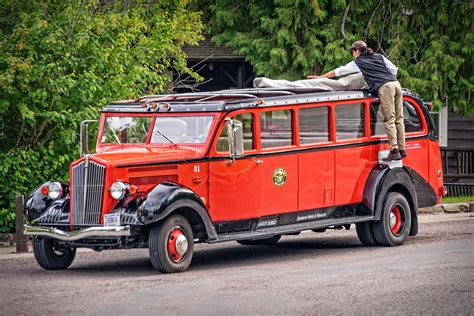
(279, 177)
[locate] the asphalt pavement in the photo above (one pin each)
(310, 274)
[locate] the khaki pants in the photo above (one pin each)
(390, 95)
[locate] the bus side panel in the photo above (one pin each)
(418, 156)
(353, 165)
(316, 182)
(279, 184)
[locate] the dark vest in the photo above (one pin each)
(374, 70)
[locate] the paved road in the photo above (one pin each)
(330, 273)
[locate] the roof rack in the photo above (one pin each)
(225, 95)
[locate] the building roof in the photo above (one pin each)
(208, 50)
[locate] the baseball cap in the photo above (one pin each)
(357, 45)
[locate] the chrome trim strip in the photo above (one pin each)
(112, 231)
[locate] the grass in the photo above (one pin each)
(458, 199)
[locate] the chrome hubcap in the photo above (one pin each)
(393, 220)
(181, 245)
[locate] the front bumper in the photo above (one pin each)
(110, 231)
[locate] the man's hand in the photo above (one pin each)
(313, 77)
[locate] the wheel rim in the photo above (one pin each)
(395, 220)
(177, 245)
(58, 251)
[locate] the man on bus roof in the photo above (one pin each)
(381, 76)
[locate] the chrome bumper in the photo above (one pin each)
(111, 231)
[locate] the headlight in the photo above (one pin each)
(55, 190)
(118, 190)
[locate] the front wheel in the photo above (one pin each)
(394, 225)
(171, 245)
(50, 255)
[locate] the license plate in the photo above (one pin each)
(112, 220)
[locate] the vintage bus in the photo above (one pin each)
(245, 165)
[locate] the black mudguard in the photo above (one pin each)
(381, 180)
(160, 202)
(36, 204)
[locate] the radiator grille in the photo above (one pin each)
(87, 190)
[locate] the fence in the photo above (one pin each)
(458, 170)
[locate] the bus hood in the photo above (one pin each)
(147, 156)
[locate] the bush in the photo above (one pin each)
(61, 61)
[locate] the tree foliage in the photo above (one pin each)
(61, 61)
(430, 41)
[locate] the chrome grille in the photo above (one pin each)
(87, 190)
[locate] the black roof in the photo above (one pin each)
(226, 100)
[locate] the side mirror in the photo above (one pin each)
(84, 136)
(235, 137)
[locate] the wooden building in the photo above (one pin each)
(458, 155)
(218, 65)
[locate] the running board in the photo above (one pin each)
(288, 229)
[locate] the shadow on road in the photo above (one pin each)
(133, 263)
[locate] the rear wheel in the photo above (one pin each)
(394, 225)
(366, 234)
(50, 255)
(171, 245)
(267, 241)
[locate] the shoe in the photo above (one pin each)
(403, 153)
(394, 154)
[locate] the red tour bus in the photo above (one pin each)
(247, 165)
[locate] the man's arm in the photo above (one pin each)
(330, 74)
(350, 68)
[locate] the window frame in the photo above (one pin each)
(421, 117)
(294, 134)
(222, 125)
(366, 123)
(330, 134)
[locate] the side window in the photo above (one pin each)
(247, 122)
(410, 118)
(377, 126)
(350, 121)
(276, 129)
(314, 125)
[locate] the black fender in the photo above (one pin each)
(382, 180)
(57, 212)
(166, 198)
(127, 208)
(37, 203)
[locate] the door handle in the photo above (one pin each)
(259, 162)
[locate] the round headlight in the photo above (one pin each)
(118, 190)
(55, 190)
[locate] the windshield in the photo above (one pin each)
(181, 129)
(126, 129)
(166, 130)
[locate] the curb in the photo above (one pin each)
(448, 208)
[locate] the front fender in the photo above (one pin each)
(56, 213)
(37, 203)
(166, 198)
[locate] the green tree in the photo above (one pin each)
(430, 41)
(61, 61)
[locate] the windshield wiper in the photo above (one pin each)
(166, 137)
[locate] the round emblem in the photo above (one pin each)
(279, 177)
